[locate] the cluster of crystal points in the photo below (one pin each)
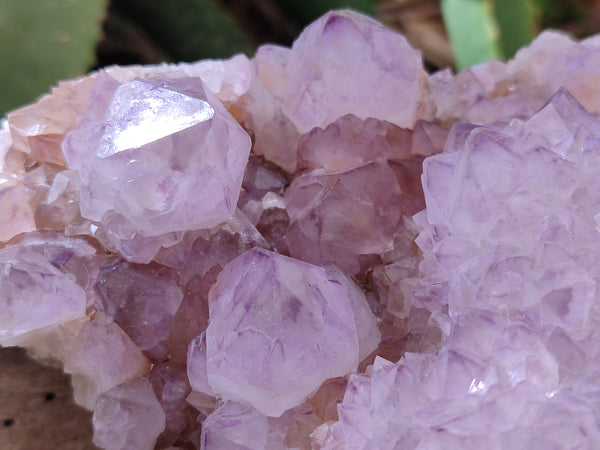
(322, 247)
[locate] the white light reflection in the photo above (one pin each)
(550, 394)
(477, 387)
(141, 113)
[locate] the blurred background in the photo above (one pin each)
(42, 41)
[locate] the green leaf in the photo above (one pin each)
(188, 30)
(302, 12)
(516, 20)
(473, 31)
(42, 42)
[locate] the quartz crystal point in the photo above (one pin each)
(275, 135)
(341, 64)
(164, 155)
(235, 427)
(38, 129)
(228, 79)
(517, 89)
(103, 344)
(295, 320)
(140, 417)
(350, 142)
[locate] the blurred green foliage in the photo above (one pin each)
(517, 24)
(472, 30)
(480, 30)
(42, 42)
(302, 12)
(188, 30)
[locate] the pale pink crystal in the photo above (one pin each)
(14, 203)
(34, 294)
(326, 399)
(350, 142)
(275, 136)
(128, 416)
(228, 79)
(38, 129)
(105, 345)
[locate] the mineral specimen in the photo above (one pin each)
(322, 247)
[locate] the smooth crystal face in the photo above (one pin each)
(162, 156)
(142, 300)
(144, 418)
(339, 216)
(235, 426)
(34, 294)
(106, 345)
(296, 322)
(141, 113)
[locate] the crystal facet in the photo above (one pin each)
(295, 320)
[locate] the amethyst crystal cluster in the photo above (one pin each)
(322, 247)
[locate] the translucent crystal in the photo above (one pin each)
(164, 155)
(297, 322)
(142, 418)
(319, 88)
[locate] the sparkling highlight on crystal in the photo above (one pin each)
(140, 114)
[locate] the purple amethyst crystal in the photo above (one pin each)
(279, 328)
(164, 155)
